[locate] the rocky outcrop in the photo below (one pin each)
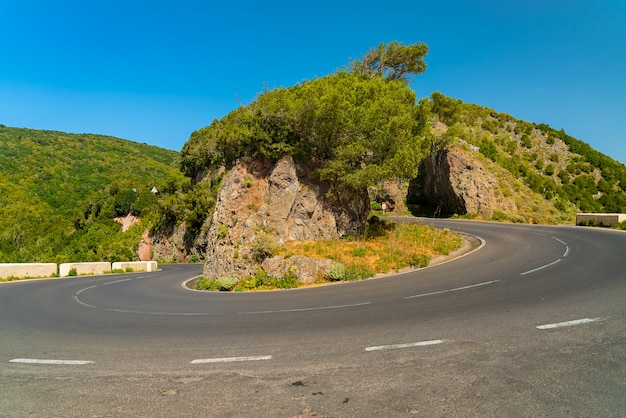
(263, 204)
(453, 181)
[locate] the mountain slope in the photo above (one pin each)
(564, 172)
(57, 190)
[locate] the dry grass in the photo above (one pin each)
(386, 247)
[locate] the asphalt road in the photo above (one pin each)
(531, 324)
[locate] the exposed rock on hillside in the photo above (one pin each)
(262, 204)
(452, 181)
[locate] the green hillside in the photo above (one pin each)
(561, 169)
(59, 193)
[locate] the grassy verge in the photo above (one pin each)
(385, 247)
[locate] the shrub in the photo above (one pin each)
(227, 283)
(262, 247)
(420, 260)
(207, 284)
(335, 272)
(72, 272)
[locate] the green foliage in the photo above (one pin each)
(262, 247)
(488, 149)
(393, 61)
(335, 272)
(356, 130)
(61, 191)
(259, 281)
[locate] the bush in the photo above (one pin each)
(262, 247)
(227, 283)
(335, 272)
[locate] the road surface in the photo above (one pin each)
(532, 324)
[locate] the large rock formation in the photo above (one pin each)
(453, 181)
(262, 204)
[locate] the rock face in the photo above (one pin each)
(262, 204)
(452, 181)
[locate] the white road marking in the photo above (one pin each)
(407, 345)
(309, 309)
(571, 323)
(565, 244)
(230, 359)
(452, 290)
(541, 268)
(178, 313)
(117, 281)
(82, 303)
(55, 362)
(87, 288)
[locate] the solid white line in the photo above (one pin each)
(407, 345)
(230, 359)
(452, 290)
(310, 309)
(56, 362)
(571, 323)
(540, 268)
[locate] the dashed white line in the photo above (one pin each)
(118, 281)
(452, 290)
(406, 345)
(230, 359)
(541, 268)
(75, 297)
(565, 244)
(571, 323)
(54, 362)
(179, 313)
(319, 308)
(87, 288)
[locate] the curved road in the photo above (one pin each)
(532, 324)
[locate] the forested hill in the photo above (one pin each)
(62, 169)
(59, 193)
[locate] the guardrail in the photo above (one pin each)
(601, 219)
(39, 270)
(19, 270)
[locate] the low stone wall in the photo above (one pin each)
(135, 265)
(84, 268)
(21, 270)
(602, 219)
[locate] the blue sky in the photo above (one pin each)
(155, 71)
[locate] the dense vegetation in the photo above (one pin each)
(61, 192)
(357, 127)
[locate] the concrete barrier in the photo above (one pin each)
(135, 265)
(601, 219)
(21, 270)
(84, 268)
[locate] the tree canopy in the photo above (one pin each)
(355, 129)
(393, 61)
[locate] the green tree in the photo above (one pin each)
(393, 61)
